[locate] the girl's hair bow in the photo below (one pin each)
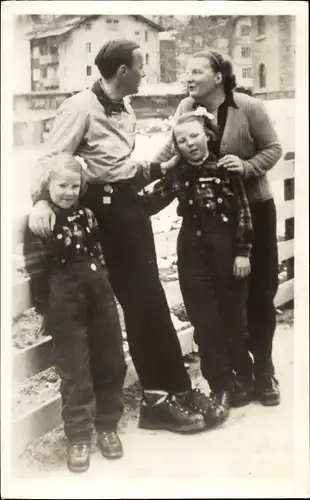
(201, 111)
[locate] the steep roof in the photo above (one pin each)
(63, 26)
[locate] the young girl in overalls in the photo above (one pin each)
(71, 289)
(214, 246)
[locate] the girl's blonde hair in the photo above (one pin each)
(56, 164)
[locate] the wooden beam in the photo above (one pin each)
(285, 250)
(285, 293)
(284, 169)
(285, 210)
(21, 300)
(32, 360)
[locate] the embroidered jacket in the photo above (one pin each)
(203, 191)
(75, 237)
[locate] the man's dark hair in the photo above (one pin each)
(113, 54)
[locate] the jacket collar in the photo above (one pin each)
(229, 101)
(109, 105)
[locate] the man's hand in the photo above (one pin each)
(232, 163)
(41, 219)
(242, 267)
(168, 165)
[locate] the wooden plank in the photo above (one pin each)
(35, 423)
(19, 226)
(21, 300)
(33, 360)
(285, 210)
(284, 169)
(285, 293)
(285, 250)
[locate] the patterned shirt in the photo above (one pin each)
(204, 191)
(75, 238)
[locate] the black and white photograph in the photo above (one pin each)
(154, 276)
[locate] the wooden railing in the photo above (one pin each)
(33, 360)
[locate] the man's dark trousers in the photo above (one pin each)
(263, 286)
(129, 250)
(88, 347)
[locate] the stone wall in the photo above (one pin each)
(286, 52)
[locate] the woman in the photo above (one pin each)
(248, 145)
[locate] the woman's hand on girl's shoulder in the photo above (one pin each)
(233, 163)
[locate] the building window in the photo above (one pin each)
(137, 33)
(88, 47)
(262, 76)
(261, 25)
(88, 70)
(43, 50)
(87, 26)
(43, 72)
(146, 36)
(246, 51)
(54, 50)
(246, 72)
(115, 21)
(245, 30)
(146, 59)
(35, 52)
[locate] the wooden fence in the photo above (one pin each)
(33, 360)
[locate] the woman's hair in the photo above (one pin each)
(55, 164)
(220, 64)
(210, 129)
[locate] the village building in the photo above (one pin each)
(62, 58)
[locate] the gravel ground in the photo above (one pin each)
(48, 452)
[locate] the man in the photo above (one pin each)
(248, 145)
(99, 125)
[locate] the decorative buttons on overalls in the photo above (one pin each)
(225, 218)
(198, 232)
(217, 180)
(59, 236)
(93, 266)
(78, 246)
(190, 202)
(220, 200)
(107, 188)
(186, 183)
(63, 261)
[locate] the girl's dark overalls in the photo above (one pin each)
(75, 295)
(216, 227)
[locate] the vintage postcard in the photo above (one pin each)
(154, 241)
